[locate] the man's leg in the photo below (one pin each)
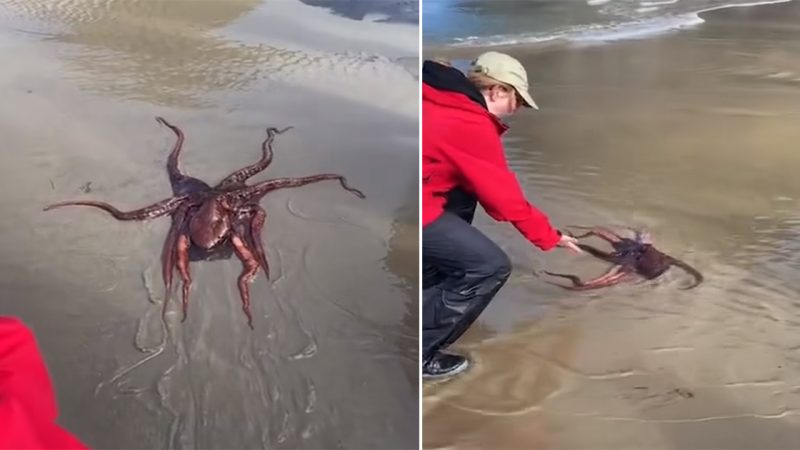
(475, 267)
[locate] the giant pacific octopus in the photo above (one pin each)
(208, 219)
(630, 257)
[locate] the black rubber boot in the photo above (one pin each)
(443, 365)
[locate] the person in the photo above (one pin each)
(28, 408)
(463, 164)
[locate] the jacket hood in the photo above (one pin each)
(449, 87)
(446, 78)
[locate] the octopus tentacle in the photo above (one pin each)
(577, 281)
(168, 253)
(601, 232)
(256, 227)
(174, 172)
(594, 284)
(255, 192)
(249, 270)
(249, 224)
(613, 276)
(182, 250)
(608, 257)
(698, 277)
(240, 176)
(148, 212)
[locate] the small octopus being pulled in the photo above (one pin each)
(630, 257)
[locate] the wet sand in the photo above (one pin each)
(332, 361)
(692, 135)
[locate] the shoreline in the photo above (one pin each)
(559, 43)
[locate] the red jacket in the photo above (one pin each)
(28, 408)
(461, 146)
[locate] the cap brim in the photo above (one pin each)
(528, 99)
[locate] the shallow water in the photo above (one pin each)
(694, 138)
(332, 360)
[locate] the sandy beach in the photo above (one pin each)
(692, 135)
(332, 361)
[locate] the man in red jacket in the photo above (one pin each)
(463, 163)
(28, 408)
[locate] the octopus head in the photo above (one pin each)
(210, 224)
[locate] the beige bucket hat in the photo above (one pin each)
(506, 69)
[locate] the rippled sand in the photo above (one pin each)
(693, 136)
(332, 361)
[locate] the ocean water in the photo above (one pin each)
(509, 22)
(394, 11)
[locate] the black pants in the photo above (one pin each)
(462, 272)
(463, 205)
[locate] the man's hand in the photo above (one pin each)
(570, 243)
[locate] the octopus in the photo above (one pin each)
(630, 257)
(208, 220)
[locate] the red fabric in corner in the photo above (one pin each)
(28, 409)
